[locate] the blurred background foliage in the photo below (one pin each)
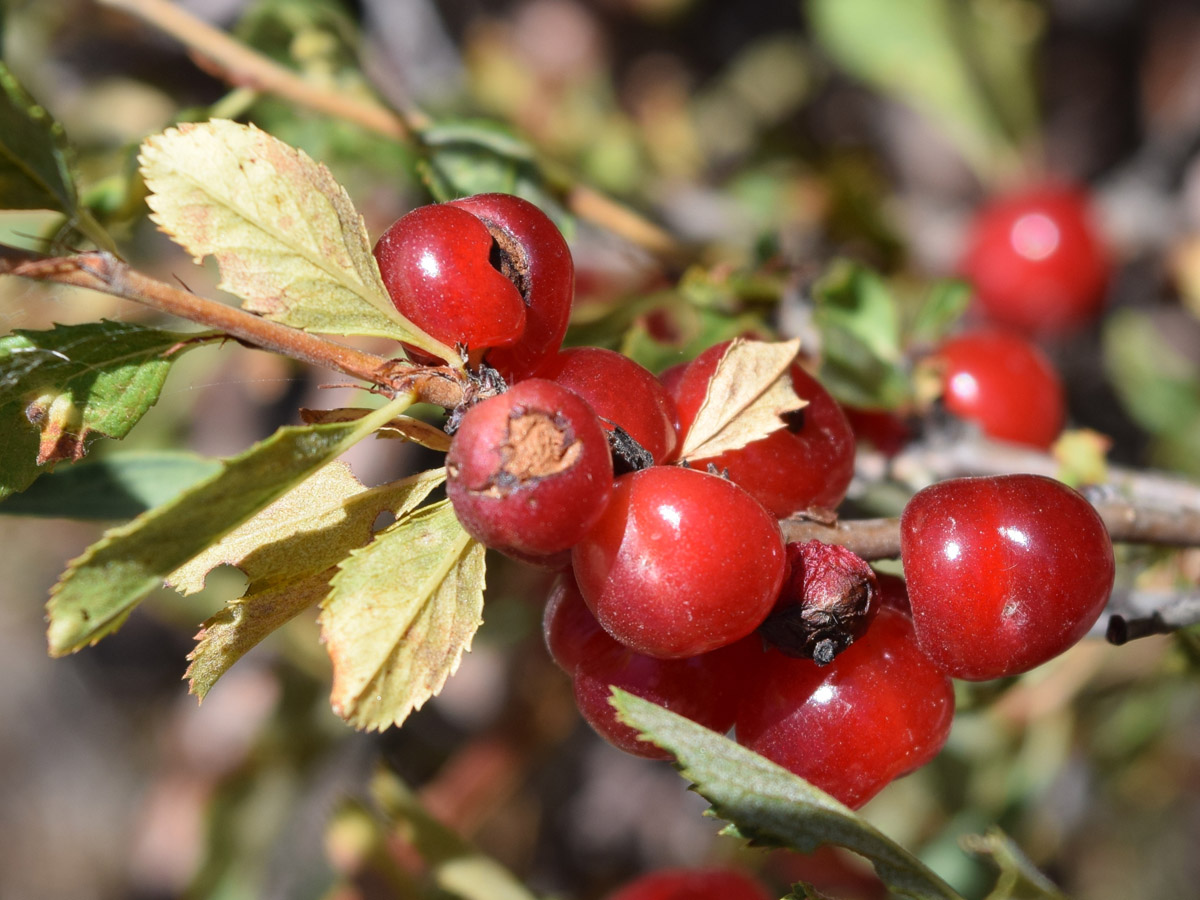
(769, 139)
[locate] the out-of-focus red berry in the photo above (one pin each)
(1037, 260)
(1005, 384)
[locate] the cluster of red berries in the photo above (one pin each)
(676, 582)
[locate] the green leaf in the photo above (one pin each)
(1159, 388)
(289, 552)
(402, 612)
(465, 158)
(116, 487)
(457, 867)
(940, 311)
(694, 331)
(35, 162)
(950, 59)
(101, 587)
(768, 805)
(479, 157)
(804, 891)
(61, 389)
(35, 158)
(285, 234)
(862, 362)
(1019, 878)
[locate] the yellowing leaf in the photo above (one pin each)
(289, 552)
(100, 588)
(263, 546)
(402, 612)
(749, 392)
(285, 235)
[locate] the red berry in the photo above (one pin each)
(681, 562)
(437, 267)
(706, 689)
(885, 431)
(878, 711)
(569, 626)
(693, 884)
(808, 463)
(893, 592)
(829, 597)
(1005, 384)
(1036, 259)
(542, 269)
(620, 391)
(1003, 572)
(529, 471)
(671, 376)
(703, 688)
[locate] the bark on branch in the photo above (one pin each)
(101, 271)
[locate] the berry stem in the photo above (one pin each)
(101, 271)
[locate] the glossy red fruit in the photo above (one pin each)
(893, 592)
(703, 688)
(670, 378)
(541, 268)
(568, 626)
(885, 431)
(1037, 260)
(1005, 384)
(680, 563)
(693, 884)
(807, 464)
(437, 266)
(619, 391)
(529, 471)
(1003, 572)
(878, 711)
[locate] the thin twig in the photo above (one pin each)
(103, 272)
(1140, 613)
(239, 65)
(1126, 522)
(869, 538)
(922, 464)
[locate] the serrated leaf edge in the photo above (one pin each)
(371, 291)
(367, 425)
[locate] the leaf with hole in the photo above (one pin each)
(101, 587)
(289, 553)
